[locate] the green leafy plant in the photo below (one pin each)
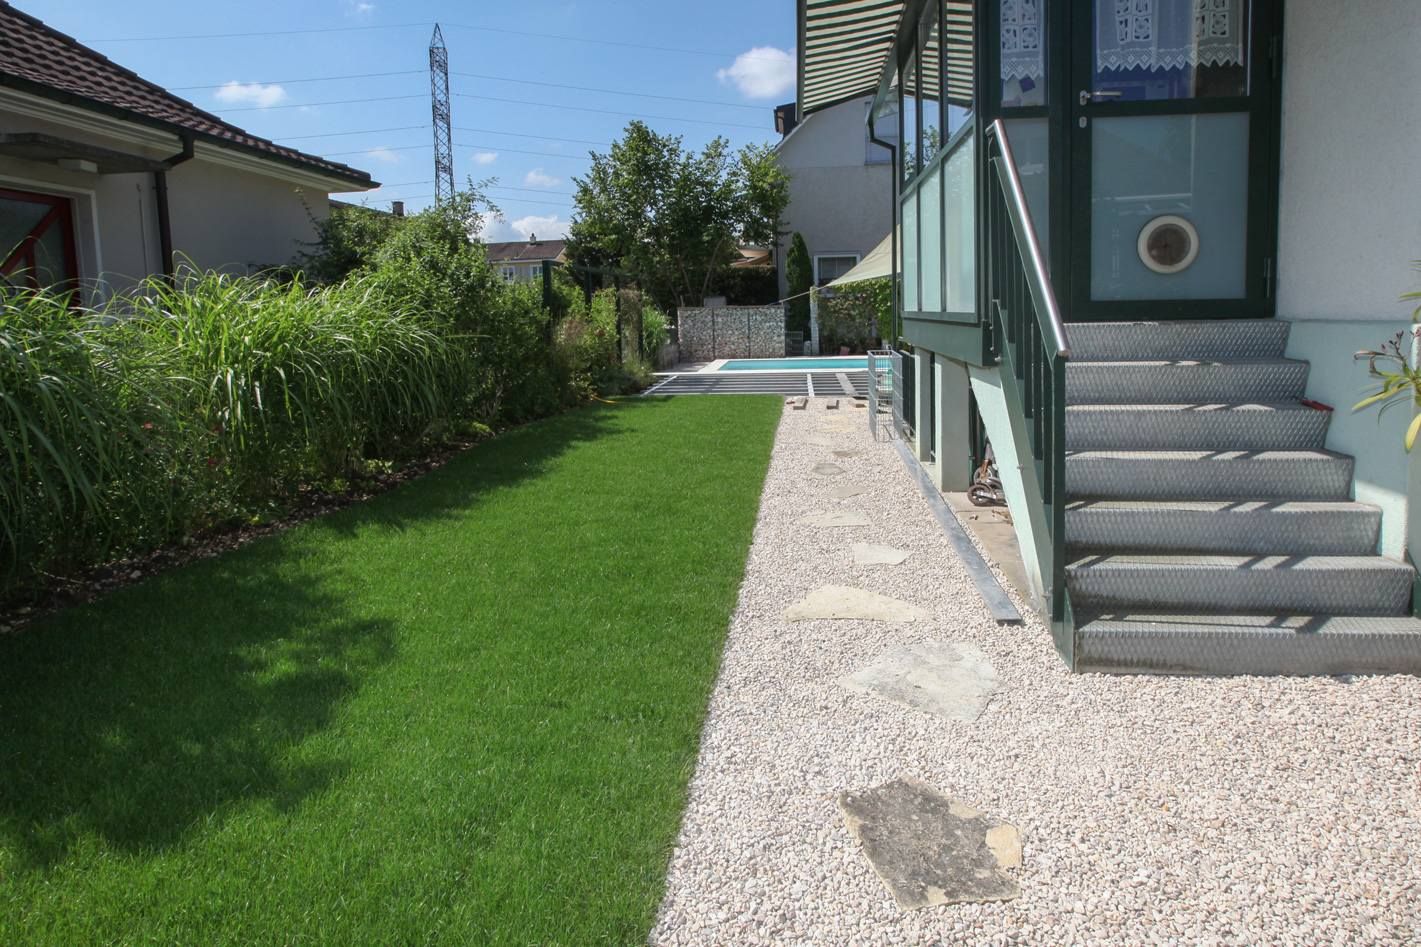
(856, 315)
(799, 277)
(1393, 365)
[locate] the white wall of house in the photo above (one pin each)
(1350, 219)
(228, 210)
(1350, 197)
(838, 201)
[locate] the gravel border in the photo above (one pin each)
(1152, 809)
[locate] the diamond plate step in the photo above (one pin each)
(1283, 426)
(1202, 339)
(1332, 585)
(1248, 644)
(1175, 381)
(1258, 527)
(1209, 475)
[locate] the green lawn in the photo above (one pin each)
(465, 712)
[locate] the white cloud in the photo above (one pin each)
(360, 8)
(251, 93)
(549, 227)
(540, 178)
(383, 155)
(485, 157)
(761, 73)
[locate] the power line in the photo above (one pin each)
(494, 131)
(304, 105)
(255, 33)
(583, 88)
(719, 54)
(497, 148)
(363, 75)
(583, 108)
(363, 131)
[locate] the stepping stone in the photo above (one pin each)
(847, 453)
(847, 490)
(798, 404)
(832, 406)
(827, 470)
(840, 601)
(867, 554)
(932, 849)
(953, 679)
(833, 518)
(819, 440)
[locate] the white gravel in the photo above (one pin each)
(1153, 810)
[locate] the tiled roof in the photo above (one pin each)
(521, 251)
(37, 59)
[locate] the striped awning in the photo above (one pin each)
(845, 46)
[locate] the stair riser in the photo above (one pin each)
(1127, 383)
(1265, 651)
(1206, 340)
(1202, 429)
(1325, 533)
(1128, 479)
(1183, 588)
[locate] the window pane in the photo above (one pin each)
(1169, 206)
(910, 120)
(1023, 52)
(930, 87)
(930, 226)
(17, 219)
(910, 254)
(1171, 49)
(1030, 141)
(830, 268)
(959, 174)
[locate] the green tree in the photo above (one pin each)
(799, 277)
(671, 217)
(347, 239)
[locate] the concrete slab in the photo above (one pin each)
(868, 554)
(847, 490)
(827, 470)
(993, 528)
(840, 601)
(931, 849)
(833, 518)
(951, 679)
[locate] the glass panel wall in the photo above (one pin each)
(1023, 52)
(1170, 49)
(960, 218)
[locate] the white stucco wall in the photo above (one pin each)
(1350, 194)
(223, 217)
(840, 204)
(229, 219)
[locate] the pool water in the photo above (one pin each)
(794, 364)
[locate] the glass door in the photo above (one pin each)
(36, 240)
(1172, 137)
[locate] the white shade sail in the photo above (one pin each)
(877, 265)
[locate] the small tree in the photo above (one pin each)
(799, 276)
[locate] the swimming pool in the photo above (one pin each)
(794, 365)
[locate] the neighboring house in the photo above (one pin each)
(1141, 242)
(106, 178)
(520, 261)
(840, 187)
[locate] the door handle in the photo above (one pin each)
(1087, 96)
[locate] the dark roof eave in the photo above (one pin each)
(332, 170)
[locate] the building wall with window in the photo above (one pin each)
(840, 189)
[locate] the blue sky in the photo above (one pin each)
(737, 54)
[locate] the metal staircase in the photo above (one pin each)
(1207, 529)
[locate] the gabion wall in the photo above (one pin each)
(731, 332)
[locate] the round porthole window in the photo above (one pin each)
(1168, 244)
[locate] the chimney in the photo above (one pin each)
(397, 208)
(532, 238)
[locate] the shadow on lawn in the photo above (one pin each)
(169, 704)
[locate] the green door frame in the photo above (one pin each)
(1069, 45)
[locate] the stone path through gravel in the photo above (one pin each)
(1151, 810)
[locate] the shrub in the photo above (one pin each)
(799, 277)
(856, 315)
(347, 240)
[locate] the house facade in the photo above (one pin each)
(521, 261)
(1141, 242)
(106, 178)
(840, 188)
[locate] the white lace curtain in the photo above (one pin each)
(1023, 55)
(1168, 34)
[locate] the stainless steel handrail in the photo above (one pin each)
(1043, 293)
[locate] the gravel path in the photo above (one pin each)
(1153, 810)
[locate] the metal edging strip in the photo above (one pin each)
(995, 597)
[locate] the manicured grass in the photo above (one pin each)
(464, 712)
